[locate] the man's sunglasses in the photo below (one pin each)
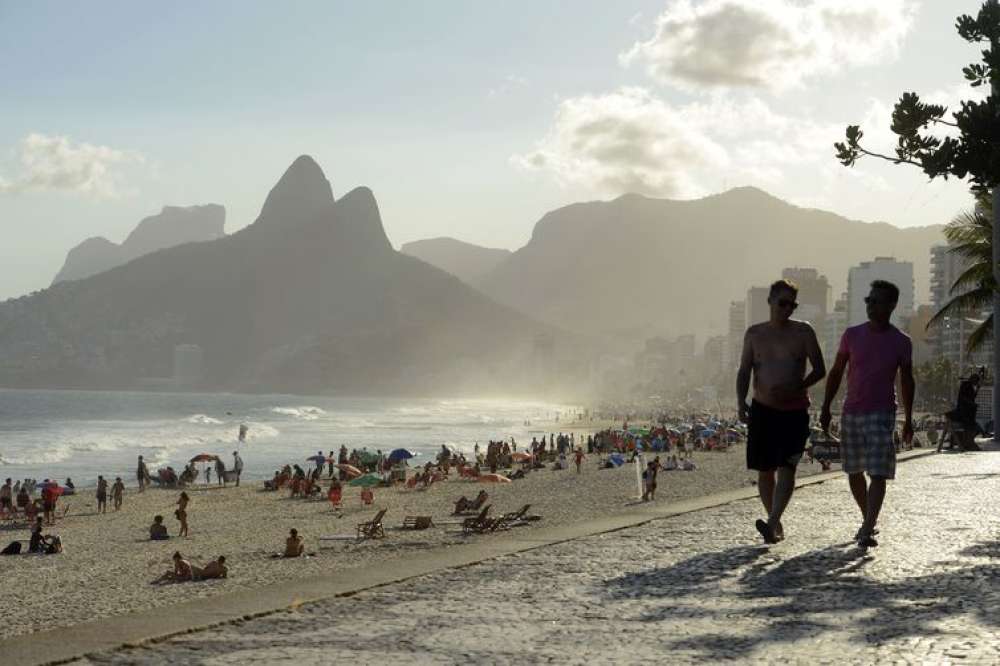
(785, 303)
(875, 301)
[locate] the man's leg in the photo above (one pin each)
(876, 495)
(783, 490)
(765, 488)
(859, 488)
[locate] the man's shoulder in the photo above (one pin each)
(800, 326)
(756, 329)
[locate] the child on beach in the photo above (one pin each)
(181, 513)
(578, 458)
(294, 544)
(117, 491)
(367, 495)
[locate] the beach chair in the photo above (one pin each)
(510, 519)
(479, 523)
(418, 522)
(372, 529)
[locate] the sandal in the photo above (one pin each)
(765, 531)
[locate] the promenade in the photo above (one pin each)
(698, 587)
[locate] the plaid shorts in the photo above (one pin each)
(866, 443)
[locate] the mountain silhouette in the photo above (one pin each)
(311, 297)
(465, 261)
(174, 225)
(655, 266)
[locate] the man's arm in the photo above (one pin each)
(815, 360)
(743, 376)
(908, 388)
(832, 386)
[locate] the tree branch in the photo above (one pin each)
(896, 160)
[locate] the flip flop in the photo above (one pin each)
(867, 541)
(765, 531)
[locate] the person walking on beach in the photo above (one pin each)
(6, 499)
(775, 352)
(117, 493)
(142, 474)
(181, 513)
(102, 495)
(237, 466)
(874, 352)
(578, 458)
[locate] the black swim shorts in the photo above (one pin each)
(775, 437)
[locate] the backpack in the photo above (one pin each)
(14, 548)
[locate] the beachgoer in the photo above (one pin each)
(158, 531)
(102, 494)
(649, 481)
(578, 458)
(216, 569)
(69, 487)
(330, 461)
(244, 428)
(208, 474)
(294, 544)
(776, 352)
(237, 466)
(142, 474)
(874, 352)
(118, 492)
(23, 498)
(6, 498)
(220, 471)
(181, 513)
(49, 497)
(182, 571)
(367, 495)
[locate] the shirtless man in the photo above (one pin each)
(216, 569)
(776, 352)
(6, 499)
(182, 571)
(117, 491)
(102, 495)
(294, 545)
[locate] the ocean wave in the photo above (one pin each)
(203, 419)
(305, 412)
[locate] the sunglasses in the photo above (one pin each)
(876, 301)
(785, 303)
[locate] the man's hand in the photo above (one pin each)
(744, 413)
(824, 419)
(908, 432)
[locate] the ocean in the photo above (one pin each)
(80, 434)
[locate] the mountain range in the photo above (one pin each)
(639, 266)
(174, 225)
(310, 297)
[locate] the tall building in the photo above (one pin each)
(737, 326)
(814, 294)
(949, 338)
(859, 280)
(757, 309)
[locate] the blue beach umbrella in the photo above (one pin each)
(400, 454)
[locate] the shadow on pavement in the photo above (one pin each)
(765, 601)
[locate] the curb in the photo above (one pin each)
(157, 624)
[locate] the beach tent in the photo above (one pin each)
(366, 481)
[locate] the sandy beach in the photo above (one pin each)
(109, 562)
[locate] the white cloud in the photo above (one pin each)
(774, 44)
(55, 163)
(634, 141)
(625, 141)
(509, 83)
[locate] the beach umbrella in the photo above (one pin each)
(366, 481)
(493, 478)
(204, 457)
(316, 457)
(520, 456)
(350, 470)
(400, 454)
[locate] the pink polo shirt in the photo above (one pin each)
(873, 358)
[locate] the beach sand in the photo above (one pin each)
(108, 560)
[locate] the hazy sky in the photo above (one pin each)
(468, 119)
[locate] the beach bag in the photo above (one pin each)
(54, 547)
(14, 548)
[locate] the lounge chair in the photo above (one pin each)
(510, 519)
(372, 529)
(418, 522)
(464, 505)
(479, 523)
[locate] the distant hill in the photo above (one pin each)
(648, 266)
(311, 297)
(465, 261)
(174, 225)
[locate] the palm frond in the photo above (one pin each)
(962, 305)
(979, 336)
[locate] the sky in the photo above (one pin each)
(467, 119)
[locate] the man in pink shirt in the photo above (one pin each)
(875, 352)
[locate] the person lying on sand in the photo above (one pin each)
(216, 569)
(182, 571)
(294, 544)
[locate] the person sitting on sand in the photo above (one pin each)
(69, 489)
(43, 544)
(671, 464)
(182, 571)
(294, 544)
(688, 465)
(158, 531)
